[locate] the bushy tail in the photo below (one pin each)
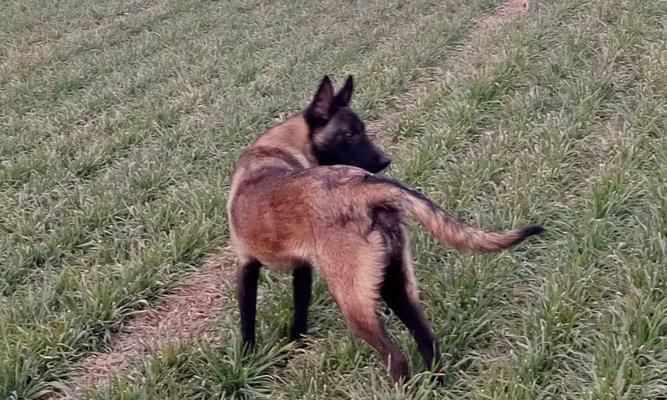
(450, 231)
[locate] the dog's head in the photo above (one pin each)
(337, 134)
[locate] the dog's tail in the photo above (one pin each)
(446, 228)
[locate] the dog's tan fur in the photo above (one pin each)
(286, 211)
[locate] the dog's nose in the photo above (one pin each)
(384, 162)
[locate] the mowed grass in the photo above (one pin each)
(121, 121)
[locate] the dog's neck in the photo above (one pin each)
(291, 136)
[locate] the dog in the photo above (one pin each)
(304, 197)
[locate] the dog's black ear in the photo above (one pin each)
(345, 94)
(320, 106)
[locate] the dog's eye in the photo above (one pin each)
(349, 134)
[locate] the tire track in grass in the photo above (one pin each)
(179, 316)
(508, 11)
(133, 343)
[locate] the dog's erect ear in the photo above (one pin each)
(320, 107)
(345, 94)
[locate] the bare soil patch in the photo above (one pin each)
(184, 314)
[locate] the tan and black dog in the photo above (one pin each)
(304, 197)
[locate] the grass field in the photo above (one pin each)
(120, 122)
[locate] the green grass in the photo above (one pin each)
(121, 121)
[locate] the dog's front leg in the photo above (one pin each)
(302, 290)
(247, 280)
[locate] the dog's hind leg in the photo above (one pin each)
(400, 293)
(302, 280)
(398, 287)
(355, 283)
(359, 311)
(247, 280)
